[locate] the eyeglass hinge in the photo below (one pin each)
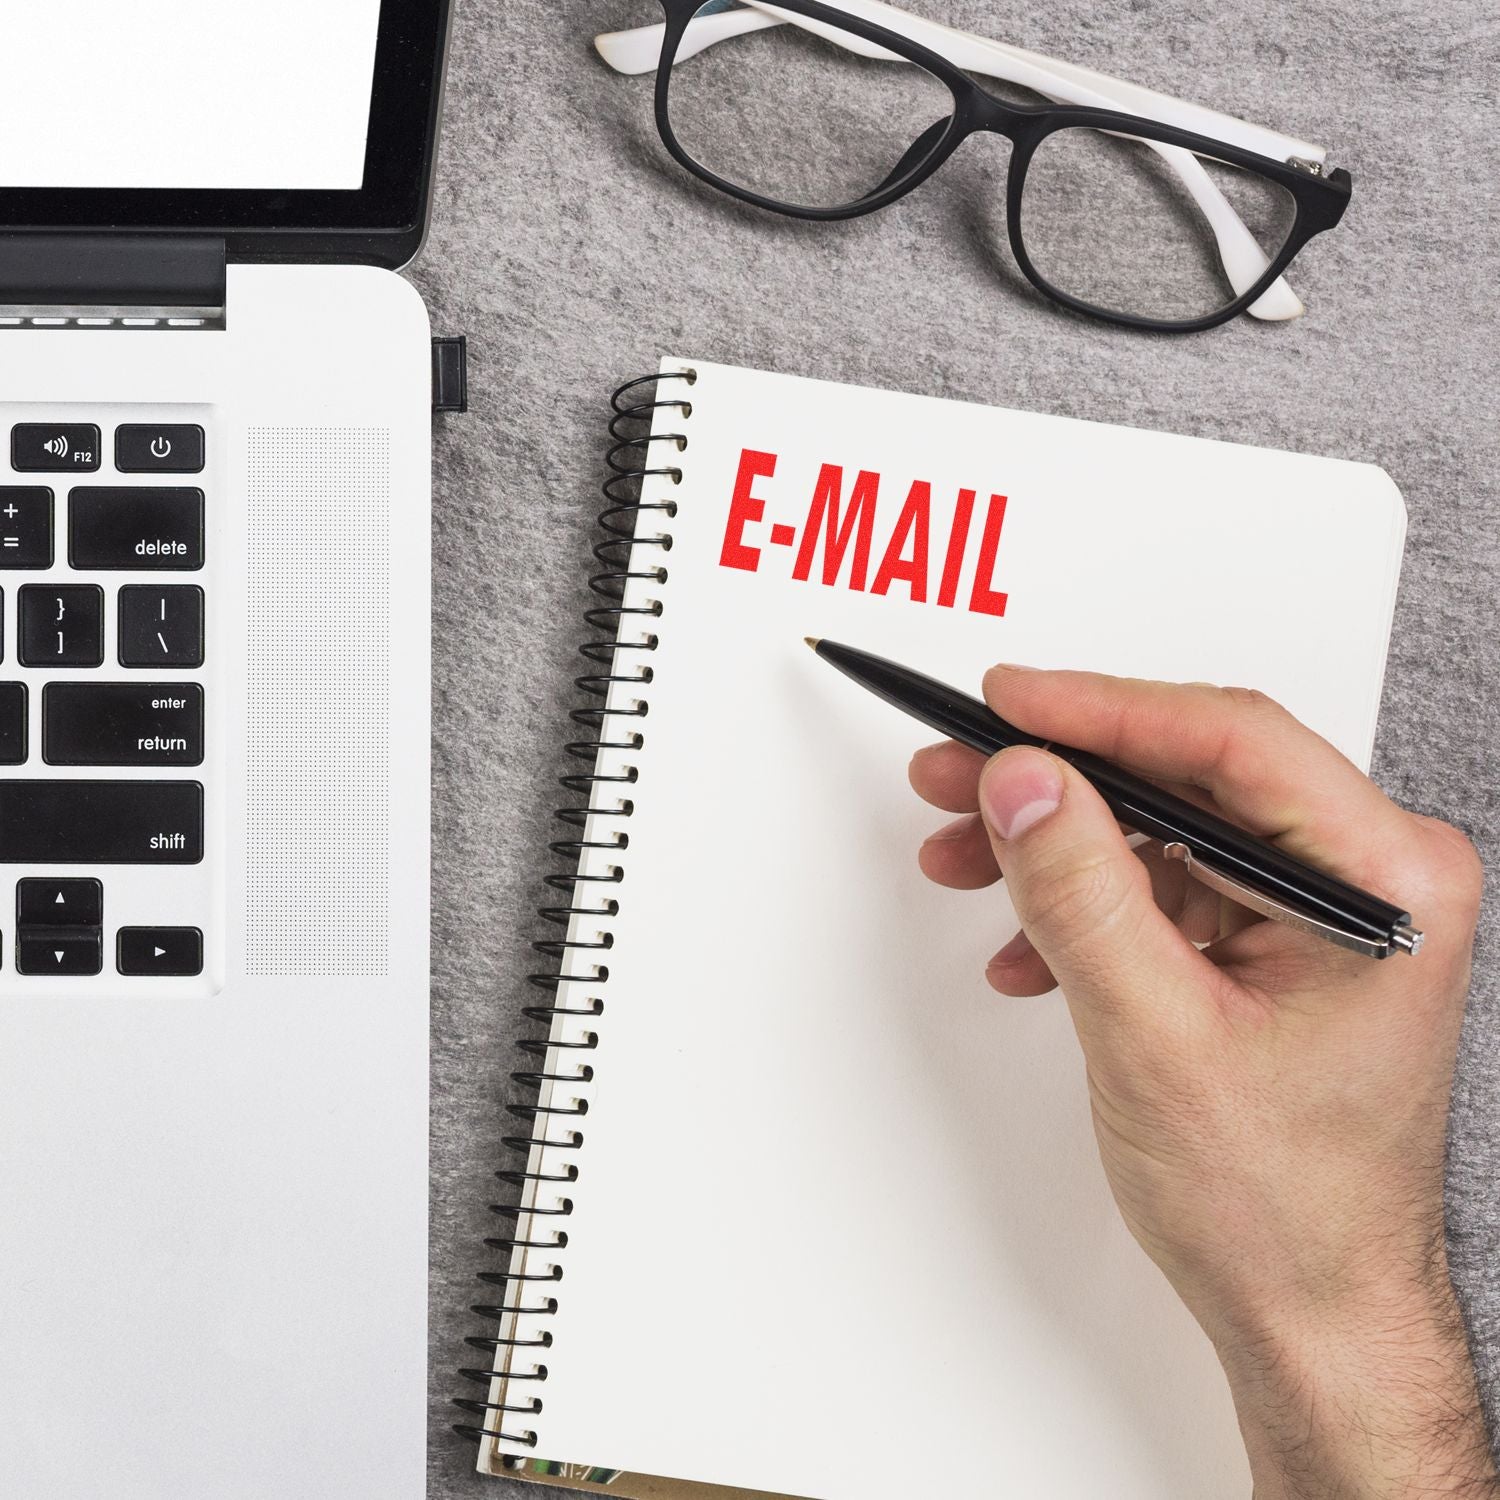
(1306, 164)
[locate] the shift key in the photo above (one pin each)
(101, 822)
(137, 528)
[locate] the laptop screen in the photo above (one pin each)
(186, 93)
(294, 129)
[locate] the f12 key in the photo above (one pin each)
(52, 447)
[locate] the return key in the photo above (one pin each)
(122, 724)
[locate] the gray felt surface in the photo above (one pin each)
(573, 253)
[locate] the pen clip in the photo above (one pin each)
(1268, 906)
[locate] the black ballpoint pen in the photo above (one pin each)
(1237, 864)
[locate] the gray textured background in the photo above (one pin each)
(573, 254)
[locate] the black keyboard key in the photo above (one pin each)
(52, 447)
(135, 529)
(77, 950)
(161, 626)
(13, 725)
(159, 950)
(61, 625)
(159, 449)
(122, 724)
(59, 903)
(25, 526)
(101, 822)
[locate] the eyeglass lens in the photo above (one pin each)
(789, 116)
(1129, 226)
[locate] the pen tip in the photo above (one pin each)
(812, 641)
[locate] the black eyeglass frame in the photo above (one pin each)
(1319, 200)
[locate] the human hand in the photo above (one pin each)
(1270, 1110)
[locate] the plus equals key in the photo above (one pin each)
(25, 526)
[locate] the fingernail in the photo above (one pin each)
(1019, 788)
(954, 830)
(1013, 952)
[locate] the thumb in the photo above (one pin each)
(1083, 897)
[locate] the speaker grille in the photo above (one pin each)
(318, 771)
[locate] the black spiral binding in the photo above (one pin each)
(631, 462)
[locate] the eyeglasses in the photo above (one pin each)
(1121, 203)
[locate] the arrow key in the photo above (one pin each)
(159, 951)
(59, 950)
(59, 903)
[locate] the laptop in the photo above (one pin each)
(215, 440)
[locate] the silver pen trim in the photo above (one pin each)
(1405, 937)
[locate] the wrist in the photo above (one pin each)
(1373, 1399)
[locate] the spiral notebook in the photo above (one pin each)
(805, 1209)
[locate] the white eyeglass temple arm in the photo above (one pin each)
(638, 50)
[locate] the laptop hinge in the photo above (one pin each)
(111, 280)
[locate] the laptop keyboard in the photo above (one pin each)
(108, 779)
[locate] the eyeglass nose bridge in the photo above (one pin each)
(975, 112)
(981, 112)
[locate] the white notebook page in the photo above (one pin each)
(840, 1221)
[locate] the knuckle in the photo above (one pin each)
(1462, 868)
(1242, 760)
(1250, 698)
(1075, 897)
(1253, 711)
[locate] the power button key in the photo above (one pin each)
(154, 448)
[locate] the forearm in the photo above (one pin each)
(1379, 1408)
